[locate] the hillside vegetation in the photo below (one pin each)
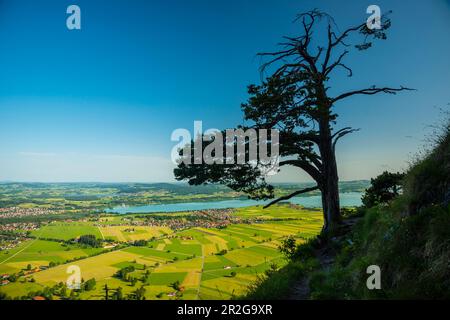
(408, 238)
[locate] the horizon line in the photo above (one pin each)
(161, 182)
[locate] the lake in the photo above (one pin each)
(349, 199)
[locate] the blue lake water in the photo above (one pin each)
(349, 199)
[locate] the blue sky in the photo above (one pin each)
(100, 104)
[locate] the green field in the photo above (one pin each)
(189, 257)
(40, 253)
(66, 231)
(122, 233)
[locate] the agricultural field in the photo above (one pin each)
(66, 231)
(126, 233)
(40, 253)
(194, 263)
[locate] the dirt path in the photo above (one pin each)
(301, 290)
(326, 257)
(99, 229)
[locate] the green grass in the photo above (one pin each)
(408, 239)
(149, 252)
(125, 264)
(159, 279)
(41, 253)
(279, 285)
(66, 231)
(188, 249)
(217, 262)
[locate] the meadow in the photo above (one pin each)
(203, 263)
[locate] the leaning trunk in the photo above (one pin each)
(330, 182)
(330, 196)
(325, 209)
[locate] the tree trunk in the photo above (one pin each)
(330, 196)
(330, 182)
(325, 209)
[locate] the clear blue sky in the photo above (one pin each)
(100, 104)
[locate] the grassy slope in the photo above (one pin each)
(408, 239)
(412, 252)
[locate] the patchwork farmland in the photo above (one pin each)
(194, 263)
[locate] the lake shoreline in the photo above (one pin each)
(348, 199)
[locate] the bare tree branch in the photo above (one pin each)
(338, 62)
(337, 41)
(341, 133)
(345, 34)
(291, 196)
(370, 91)
(328, 52)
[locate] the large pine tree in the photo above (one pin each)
(295, 100)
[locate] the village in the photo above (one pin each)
(13, 234)
(218, 218)
(18, 212)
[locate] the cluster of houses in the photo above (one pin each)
(10, 244)
(4, 279)
(208, 219)
(17, 212)
(34, 270)
(14, 234)
(218, 218)
(23, 226)
(215, 218)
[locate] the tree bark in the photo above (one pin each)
(325, 209)
(330, 182)
(330, 196)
